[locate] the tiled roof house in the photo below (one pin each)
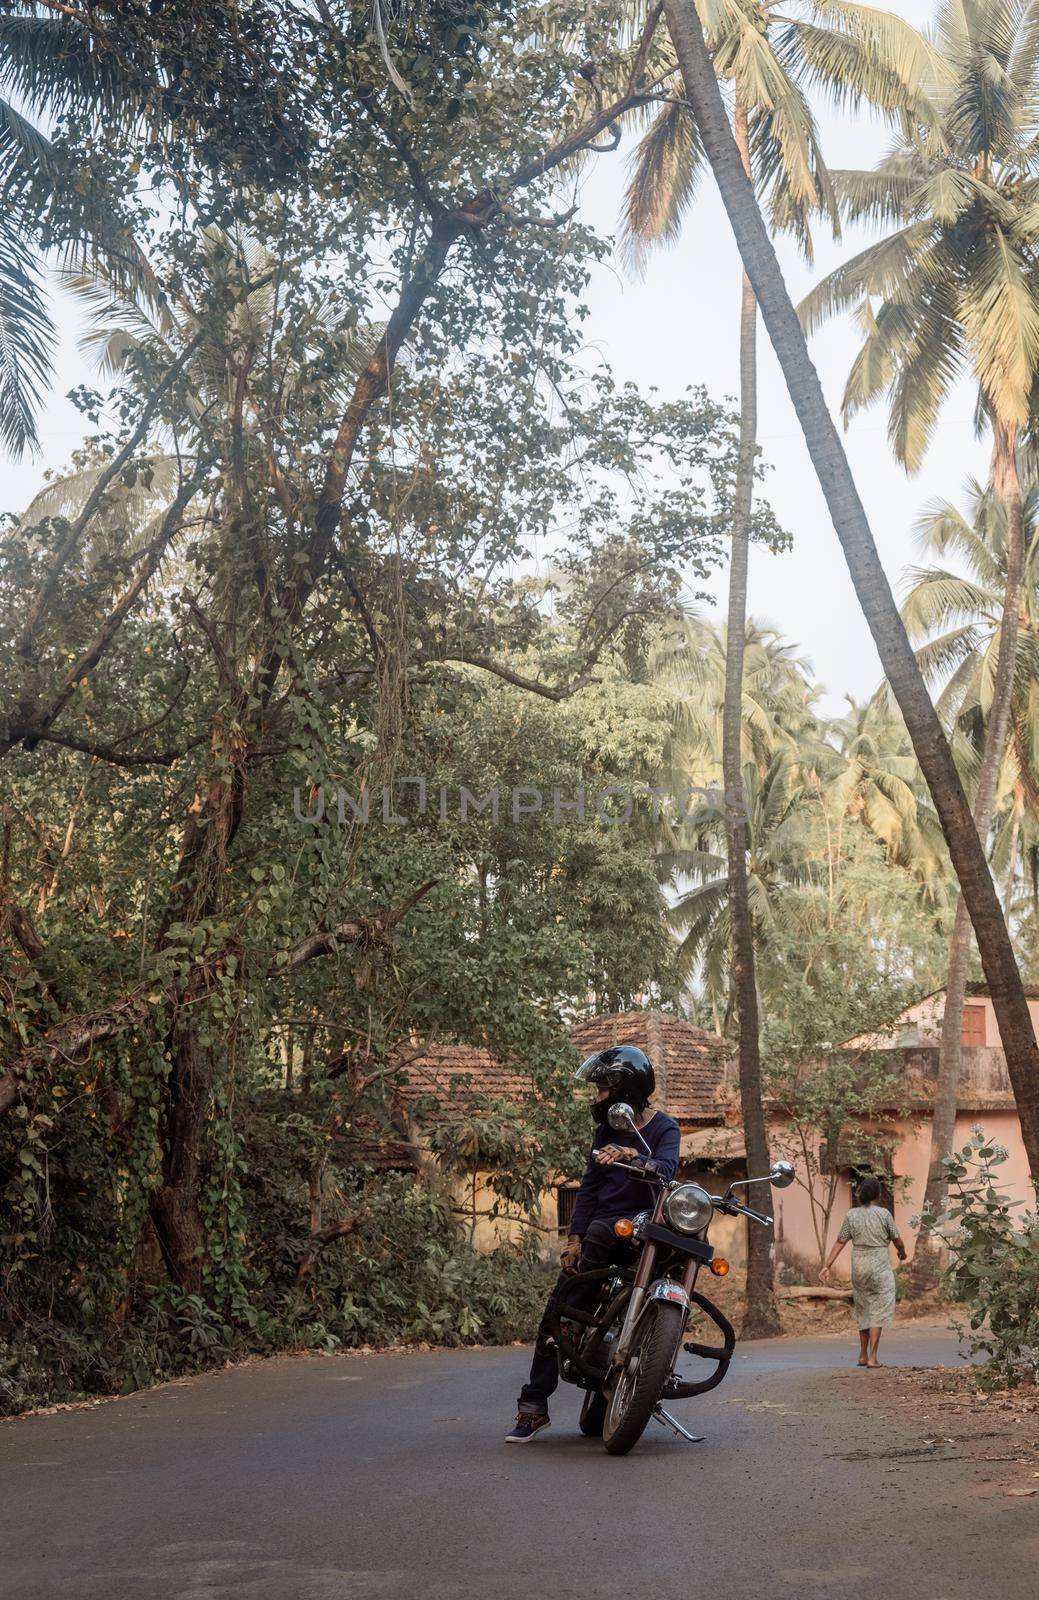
(690, 1066)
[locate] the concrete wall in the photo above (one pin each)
(507, 1228)
(795, 1235)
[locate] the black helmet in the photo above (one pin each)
(623, 1069)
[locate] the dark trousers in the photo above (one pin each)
(600, 1248)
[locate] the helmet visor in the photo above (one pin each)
(586, 1072)
(594, 1069)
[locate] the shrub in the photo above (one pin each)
(994, 1264)
(409, 1274)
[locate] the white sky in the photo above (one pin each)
(678, 325)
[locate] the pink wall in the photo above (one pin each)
(927, 1016)
(793, 1211)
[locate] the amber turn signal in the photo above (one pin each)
(719, 1266)
(624, 1228)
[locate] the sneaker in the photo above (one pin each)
(525, 1427)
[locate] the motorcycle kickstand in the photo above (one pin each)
(666, 1420)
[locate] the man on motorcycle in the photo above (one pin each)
(606, 1193)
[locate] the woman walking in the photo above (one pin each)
(871, 1228)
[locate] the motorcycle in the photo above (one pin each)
(622, 1351)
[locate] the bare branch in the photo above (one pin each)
(115, 466)
(39, 721)
(558, 221)
(322, 1236)
(120, 758)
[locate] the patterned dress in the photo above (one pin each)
(871, 1229)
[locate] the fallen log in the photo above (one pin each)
(813, 1291)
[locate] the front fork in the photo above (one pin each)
(636, 1305)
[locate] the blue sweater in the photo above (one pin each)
(609, 1192)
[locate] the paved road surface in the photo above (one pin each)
(364, 1478)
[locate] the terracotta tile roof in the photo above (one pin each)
(715, 1143)
(689, 1063)
(690, 1066)
(456, 1073)
(378, 1143)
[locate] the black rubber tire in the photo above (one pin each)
(656, 1346)
(593, 1414)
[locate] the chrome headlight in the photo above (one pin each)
(688, 1208)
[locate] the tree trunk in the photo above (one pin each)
(176, 1204)
(867, 573)
(761, 1316)
(950, 1057)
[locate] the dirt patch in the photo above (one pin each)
(802, 1317)
(997, 1432)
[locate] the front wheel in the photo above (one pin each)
(638, 1386)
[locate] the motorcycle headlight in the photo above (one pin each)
(688, 1208)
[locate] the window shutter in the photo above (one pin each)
(566, 1199)
(973, 1026)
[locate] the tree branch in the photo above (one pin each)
(38, 722)
(365, 930)
(321, 1236)
(121, 758)
(69, 543)
(70, 1038)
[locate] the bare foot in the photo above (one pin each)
(862, 1362)
(873, 1363)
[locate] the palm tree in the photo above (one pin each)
(857, 773)
(779, 813)
(770, 62)
(49, 68)
(871, 585)
(777, 713)
(878, 784)
(958, 290)
(963, 621)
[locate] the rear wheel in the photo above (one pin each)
(638, 1386)
(593, 1414)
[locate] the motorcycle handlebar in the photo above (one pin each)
(755, 1216)
(721, 1202)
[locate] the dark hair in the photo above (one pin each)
(868, 1192)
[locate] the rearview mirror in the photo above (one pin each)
(782, 1175)
(621, 1117)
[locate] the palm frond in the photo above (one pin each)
(940, 599)
(1000, 314)
(51, 65)
(883, 268)
(27, 341)
(664, 174)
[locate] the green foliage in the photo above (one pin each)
(994, 1264)
(410, 1275)
(952, 291)
(359, 509)
(847, 872)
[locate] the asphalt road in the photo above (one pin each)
(358, 1478)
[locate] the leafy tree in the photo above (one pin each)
(994, 1265)
(306, 553)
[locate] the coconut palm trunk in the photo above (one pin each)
(867, 573)
(1007, 484)
(761, 1317)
